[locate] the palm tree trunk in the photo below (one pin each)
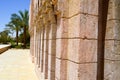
(17, 37)
(24, 36)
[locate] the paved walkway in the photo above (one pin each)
(16, 65)
(1, 46)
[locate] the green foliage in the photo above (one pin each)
(19, 23)
(4, 37)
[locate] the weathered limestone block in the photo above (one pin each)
(81, 51)
(62, 48)
(87, 71)
(110, 29)
(117, 29)
(113, 22)
(74, 7)
(74, 27)
(58, 68)
(112, 60)
(113, 29)
(51, 67)
(83, 26)
(88, 26)
(83, 6)
(110, 10)
(74, 50)
(72, 71)
(63, 69)
(63, 7)
(116, 9)
(88, 51)
(58, 48)
(112, 50)
(92, 26)
(112, 70)
(62, 28)
(53, 47)
(92, 7)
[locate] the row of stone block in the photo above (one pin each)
(4, 48)
(67, 49)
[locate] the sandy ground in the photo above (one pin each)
(15, 64)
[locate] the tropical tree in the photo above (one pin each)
(22, 19)
(4, 37)
(13, 25)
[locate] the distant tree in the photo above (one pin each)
(4, 37)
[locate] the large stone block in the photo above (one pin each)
(80, 25)
(74, 27)
(92, 7)
(62, 48)
(73, 71)
(63, 7)
(112, 70)
(88, 51)
(91, 27)
(87, 71)
(62, 28)
(53, 47)
(110, 30)
(88, 26)
(74, 50)
(113, 29)
(110, 10)
(82, 50)
(117, 29)
(112, 50)
(58, 48)
(63, 69)
(51, 63)
(83, 6)
(116, 9)
(57, 68)
(74, 7)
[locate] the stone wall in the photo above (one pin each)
(112, 45)
(64, 39)
(3, 48)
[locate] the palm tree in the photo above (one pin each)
(22, 18)
(13, 26)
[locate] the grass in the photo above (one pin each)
(19, 46)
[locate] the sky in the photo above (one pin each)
(8, 7)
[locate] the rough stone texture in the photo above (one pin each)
(69, 40)
(112, 44)
(87, 71)
(64, 39)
